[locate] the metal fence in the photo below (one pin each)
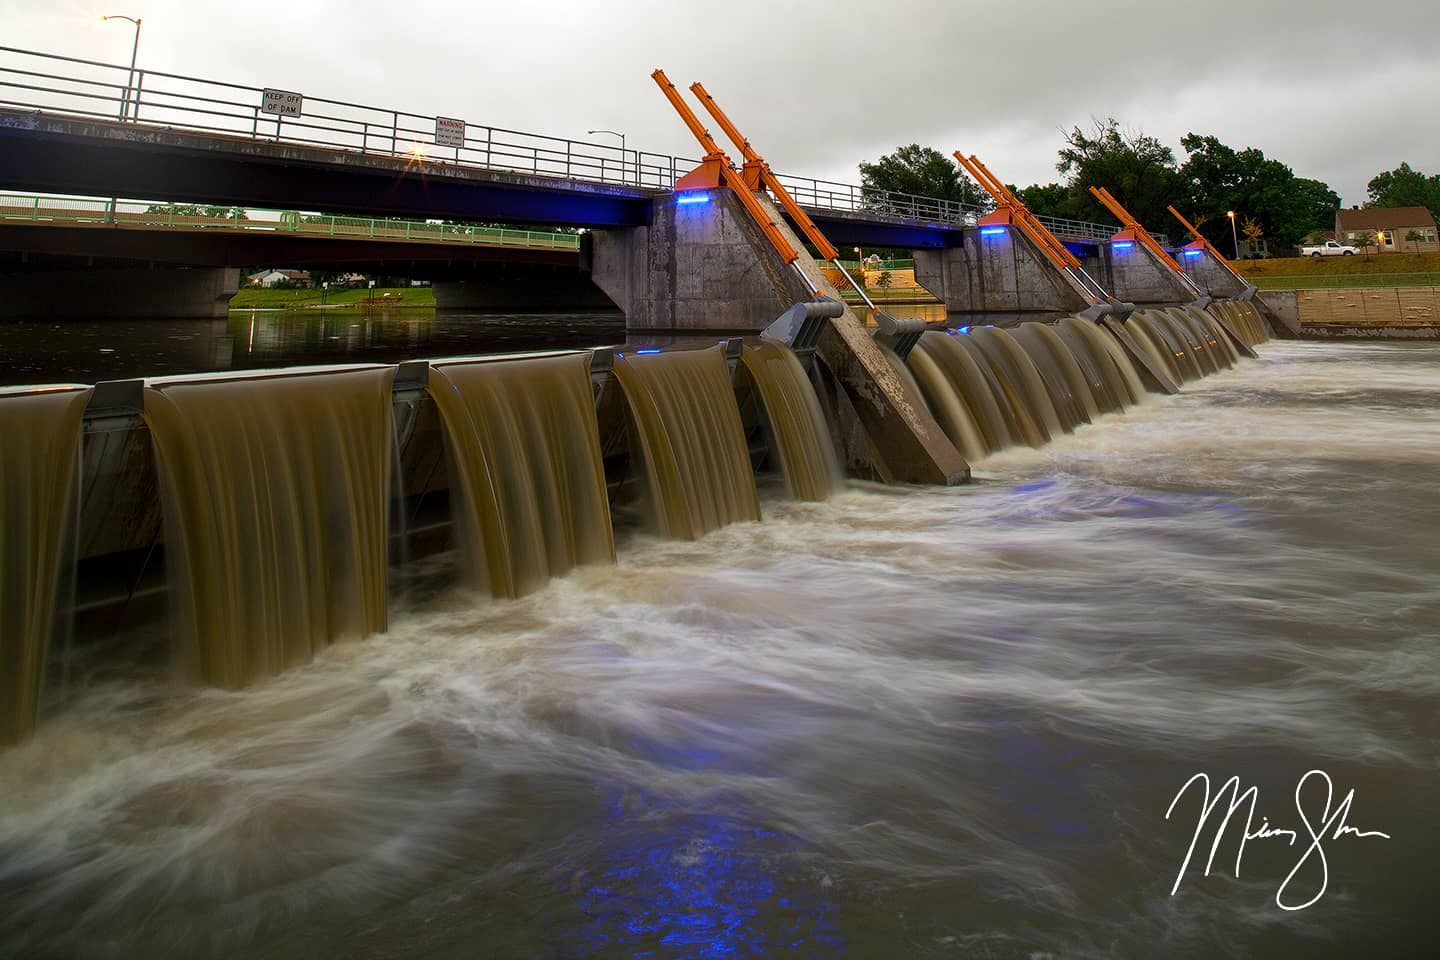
(147, 215)
(1347, 281)
(89, 88)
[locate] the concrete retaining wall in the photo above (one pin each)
(1368, 312)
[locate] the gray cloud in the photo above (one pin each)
(1337, 90)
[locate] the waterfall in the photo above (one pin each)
(274, 491)
(528, 484)
(39, 448)
(797, 423)
(1015, 368)
(1065, 381)
(690, 439)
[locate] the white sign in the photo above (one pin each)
(449, 133)
(281, 102)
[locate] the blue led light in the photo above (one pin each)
(1122, 245)
(649, 350)
(991, 231)
(1193, 253)
(698, 196)
(964, 329)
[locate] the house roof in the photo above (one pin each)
(1385, 218)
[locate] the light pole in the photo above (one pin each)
(615, 133)
(1234, 237)
(134, 52)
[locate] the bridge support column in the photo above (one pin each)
(698, 266)
(997, 278)
(1211, 275)
(162, 292)
(1136, 275)
(707, 268)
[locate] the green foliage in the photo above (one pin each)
(1139, 170)
(1217, 178)
(1365, 240)
(922, 171)
(885, 280)
(1049, 200)
(1405, 187)
(1415, 237)
(198, 210)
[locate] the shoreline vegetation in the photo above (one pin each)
(309, 298)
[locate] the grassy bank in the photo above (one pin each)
(1340, 266)
(299, 299)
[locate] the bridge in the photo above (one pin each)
(69, 125)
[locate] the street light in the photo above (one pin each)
(1234, 237)
(614, 133)
(134, 51)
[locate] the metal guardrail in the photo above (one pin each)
(100, 212)
(1347, 281)
(90, 88)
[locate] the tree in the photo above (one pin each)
(1405, 187)
(1365, 239)
(884, 281)
(1139, 170)
(1253, 232)
(1049, 200)
(1218, 178)
(922, 171)
(1415, 237)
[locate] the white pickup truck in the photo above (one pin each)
(1328, 249)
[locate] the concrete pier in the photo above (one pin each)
(702, 265)
(998, 277)
(120, 292)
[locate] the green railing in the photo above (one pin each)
(142, 215)
(1342, 281)
(853, 265)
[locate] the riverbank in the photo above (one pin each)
(260, 297)
(1364, 263)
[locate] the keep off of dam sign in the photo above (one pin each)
(449, 133)
(281, 102)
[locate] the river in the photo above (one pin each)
(900, 723)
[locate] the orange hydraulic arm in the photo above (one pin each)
(725, 174)
(1142, 236)
(758, 175)
(1206, 244)
(1026, 221)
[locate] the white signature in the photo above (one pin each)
(1331, 825)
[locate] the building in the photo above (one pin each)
(1390, 227)
(269, 278)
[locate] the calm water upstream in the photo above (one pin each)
(901, 723)
(86, 351)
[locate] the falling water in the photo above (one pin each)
(525, 448)
(691, 440)
(797, 423)
(274, 493)
(39, 448)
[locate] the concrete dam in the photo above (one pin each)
(758, 624)
(280, 501)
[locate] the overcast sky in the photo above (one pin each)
(1339, 91)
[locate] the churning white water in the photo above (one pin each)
(902, 722)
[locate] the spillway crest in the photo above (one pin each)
(990, 388)
(689, 434)
(39, 448)
(274, 495)
(529, 484)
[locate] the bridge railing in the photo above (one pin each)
(91, 88)
(36, 210)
